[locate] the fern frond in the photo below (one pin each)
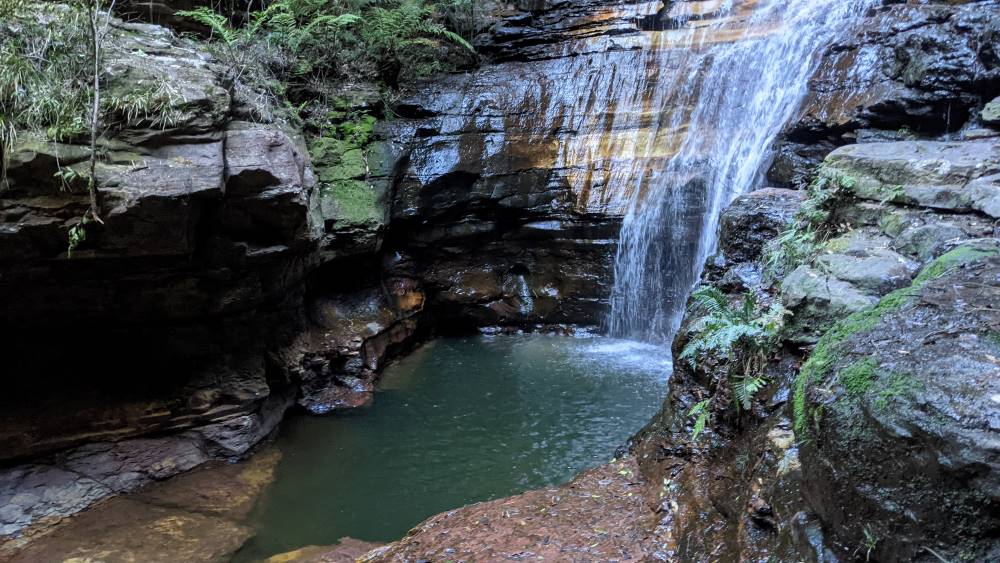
(457, 39)
(702, 414)
(710, 299)
(342, 20)
(217, 23)
(746, 388)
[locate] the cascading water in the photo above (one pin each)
(742, 68)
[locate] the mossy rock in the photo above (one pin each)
(827, 350)
(896, 409)
(352, 202)
(929, 174)
(335, 160)
(991, 113)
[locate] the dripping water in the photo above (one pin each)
(741, 74)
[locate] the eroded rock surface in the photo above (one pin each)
(243, 268)
(200, 516)
(600, 516)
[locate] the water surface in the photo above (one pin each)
(461, 420)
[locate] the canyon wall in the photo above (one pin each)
(232, 278)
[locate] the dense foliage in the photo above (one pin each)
(44, 84)
(306, 44)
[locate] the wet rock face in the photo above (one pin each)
(922, 66)
(510, 191)
(905, 448)
(909, 70)
(754, 219)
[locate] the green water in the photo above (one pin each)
(461, 420)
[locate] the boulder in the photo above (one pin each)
(754, 219)
(818, 300)
(937, 175)
(865, 261)
(990, 115)
(903, 404)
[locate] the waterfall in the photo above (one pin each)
(527, 302)
(738, 73)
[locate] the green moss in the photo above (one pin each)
(355, 202)
(341, 152)
(358, 131)
(340, 156)
(336, 159)
(838, 245)
(864, 186)
(894, 385)
(824, 355)
(894, 193)
(993, 338)
(858, 377)
(893, 223)
(961, 255)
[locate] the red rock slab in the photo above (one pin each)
(599, 516)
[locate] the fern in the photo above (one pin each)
(393, 28)
(305, 39)
(746, 387)
(456, 39)
(742, 336)
(217, 23)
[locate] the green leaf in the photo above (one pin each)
(702, 414)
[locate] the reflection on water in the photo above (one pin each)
(459, 421)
